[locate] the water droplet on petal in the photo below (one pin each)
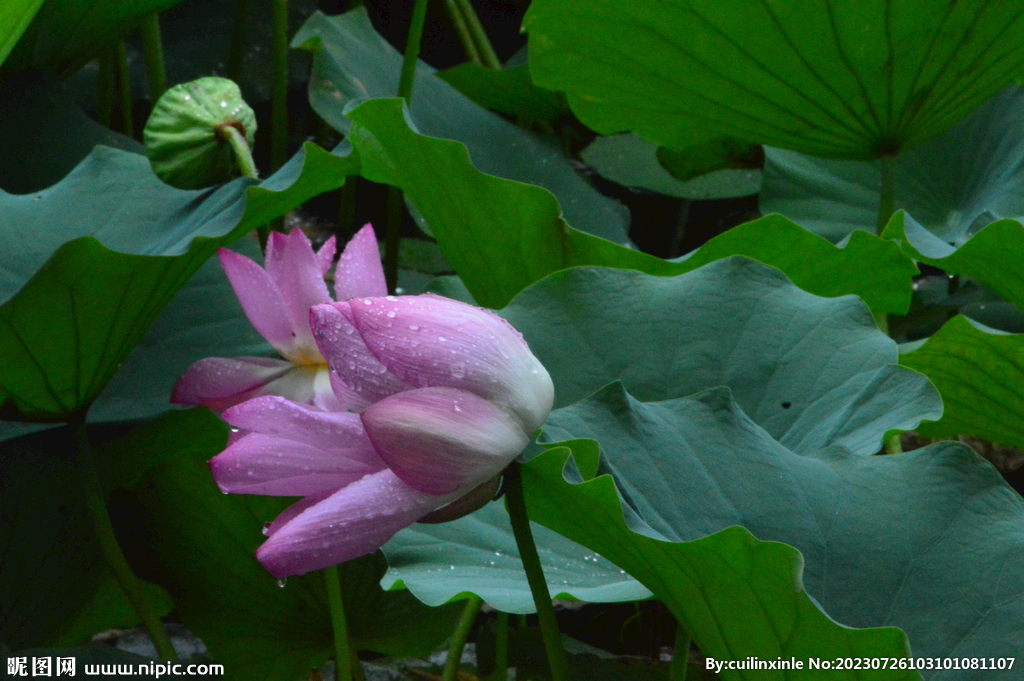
(282, 582)
(391, 314)
(413, 327)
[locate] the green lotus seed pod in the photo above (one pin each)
(187, 136)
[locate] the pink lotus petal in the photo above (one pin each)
(438, 440)
(340, 432)
(325, 256)
(353, 522)
(346, 398)
(428, 340)
(260, 298)
(295, 509)
(220, 382)
(277, 466)
(347, 355)
(273, 254)
(302, 286)
(359, 273)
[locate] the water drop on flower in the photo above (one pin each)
(391, 314)
(458, 370)
(367, 301)
(414, 327)
(282, 582)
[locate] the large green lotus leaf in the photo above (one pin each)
(815, 265)
(632, 161)
(56, 587)
(992, 256)
(931, 541)
(975, 368)
(709, 156)
(478, 554)
(353, 62)
(77, 296)
(737, 597)
(198, 543)
(849, 80)
(979, 372)
(509, 91)
(65, 34)
(812, 371)
(953, 184)
(500, 236)
(203, 319)
(15, 16)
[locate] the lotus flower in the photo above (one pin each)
(434, 398)
(276, 299)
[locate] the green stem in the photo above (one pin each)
(680, 656)
(393, 233)
(243, 154)
(412, 50)
(124, 89)
(347, 208)
(476, 29)
(460, 636)
(153, 53)
(501, 647)
(131, 586)
(237, 56)
(535, 576)
(465, 37)
(105, 89)
(680, 231)
(342, 652)
(887, 195)
(279, 84)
